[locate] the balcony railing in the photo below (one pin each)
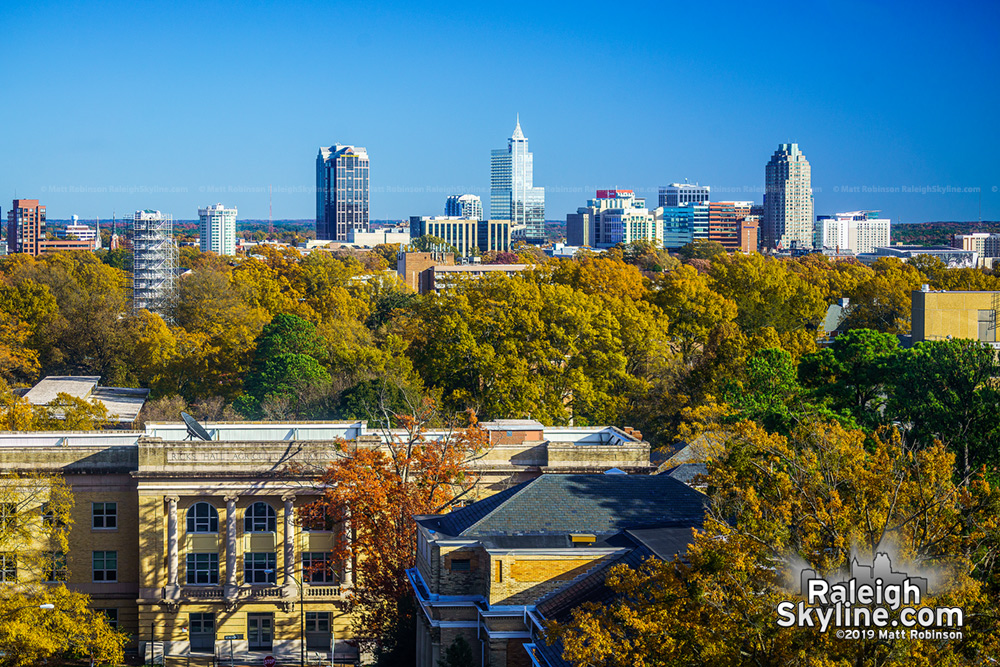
(202, 592)
(256, 592)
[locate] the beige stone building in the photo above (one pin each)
(186, 542)
(947, 315)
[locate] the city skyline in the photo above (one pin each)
(877, 141)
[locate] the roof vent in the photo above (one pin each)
(614, 471)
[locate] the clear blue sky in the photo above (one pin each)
(117, 106)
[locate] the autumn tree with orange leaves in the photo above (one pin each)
(422, 466)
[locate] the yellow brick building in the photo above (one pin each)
(186, 542)
(951, 315)
(483, 570)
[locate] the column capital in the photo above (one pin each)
(172, 498)
(288, 497)
(231, 497)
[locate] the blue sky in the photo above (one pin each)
(113, 106)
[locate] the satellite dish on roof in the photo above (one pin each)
(194, 429)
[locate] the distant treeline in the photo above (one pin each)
(939, 233)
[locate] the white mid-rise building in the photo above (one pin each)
(682, 194)
(613, 217)
(217, 229)
(75, 229)
(464, 206)
(855, 231)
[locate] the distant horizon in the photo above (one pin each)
(149, 105)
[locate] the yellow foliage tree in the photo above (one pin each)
(39, 621)
(816, 499)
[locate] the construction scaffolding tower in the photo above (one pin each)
(154, 262)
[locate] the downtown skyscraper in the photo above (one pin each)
(513, 196)
(341, 192)
(788, 201)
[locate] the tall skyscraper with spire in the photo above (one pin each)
(788, 200)
(512, 195)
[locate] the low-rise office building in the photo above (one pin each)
(470, 236)
(953, 258)
(682, 224)
(613, 217)
(437, 278)
(986, 246)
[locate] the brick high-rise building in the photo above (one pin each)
(25, 227)
(726, 224)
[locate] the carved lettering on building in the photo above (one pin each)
(176, 456)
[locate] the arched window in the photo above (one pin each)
(260, 518)
(202, 518)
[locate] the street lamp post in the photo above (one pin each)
(302, 617)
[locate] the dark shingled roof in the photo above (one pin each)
(598, 504)
(666, 542)
(687, 472)
(455, 522)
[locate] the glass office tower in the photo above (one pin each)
(512, 195)
(341, 192)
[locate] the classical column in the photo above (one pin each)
(231, 589)
(172, 589)
(291, 588)
(348, 544)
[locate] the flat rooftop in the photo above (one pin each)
(123, 404)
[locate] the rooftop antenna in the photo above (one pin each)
(195, 431)
(270, 222)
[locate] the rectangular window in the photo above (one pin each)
(317, 621)
(202, 569)
(317, 567)
(461, 565)
(104, 515)
(8, 515)
(48, 516)
(323, 523)
(987, 326)
(111, 615)
(55, 570)
(8, 568)
(259, 568)
(105, 566)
